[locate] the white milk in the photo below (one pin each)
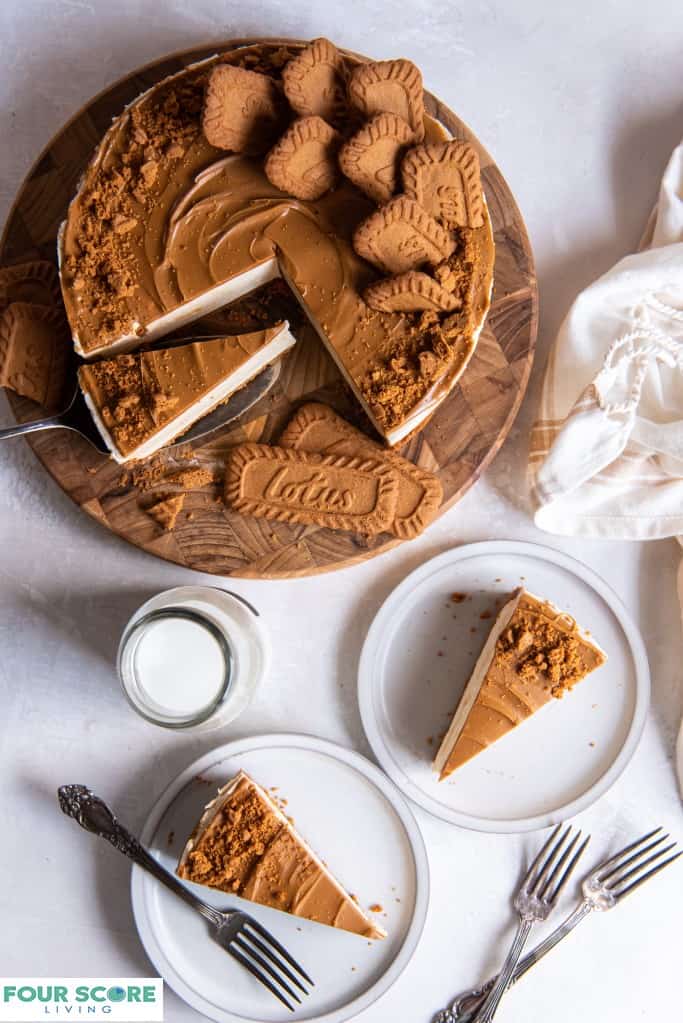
(193, 657)
(179, 666)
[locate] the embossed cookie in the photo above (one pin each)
(402, 236)
(36, 281)
(303, 162)
(409, 292)
(371, 158)
(34, 352)
(444, 178)
(316, 427)
(315, 81)
(243, 110)
(337, 491)
(389, 86)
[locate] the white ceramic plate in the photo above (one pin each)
(355, 820)
(420, 650)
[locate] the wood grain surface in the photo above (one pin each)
(458, 443)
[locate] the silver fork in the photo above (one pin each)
(602, 889)
(239, 934)
(534, 901)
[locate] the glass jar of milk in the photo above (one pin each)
(193, 655)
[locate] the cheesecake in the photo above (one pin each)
(534, 653)
(244, 845)
(143, 400)
(167, 227)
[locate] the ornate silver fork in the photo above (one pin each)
(534, 901)
(239, 934)
(602, 889)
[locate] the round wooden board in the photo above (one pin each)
(458, 443)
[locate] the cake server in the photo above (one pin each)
(76, 416)
(238, 933)
(602, 889)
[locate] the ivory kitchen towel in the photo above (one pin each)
(606, 456)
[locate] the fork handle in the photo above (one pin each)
(465, 1008)
(492, 1000)
(93, 814)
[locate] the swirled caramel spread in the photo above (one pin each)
(163, 219)
(534, 653)
(243, 844)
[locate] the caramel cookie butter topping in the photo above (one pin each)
(534, 653)
(243, 844)
(164, 219)
(351, 492)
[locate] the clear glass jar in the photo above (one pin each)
(193, 655)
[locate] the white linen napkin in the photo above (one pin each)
(606, 457)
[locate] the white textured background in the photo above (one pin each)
(580, 104)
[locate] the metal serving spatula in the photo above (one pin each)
(76, 416)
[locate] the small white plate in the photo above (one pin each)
(354, 819)
(421, 649)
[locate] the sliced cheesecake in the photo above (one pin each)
(143, 401)
(533, 654)
(244, 845)
(166, 228)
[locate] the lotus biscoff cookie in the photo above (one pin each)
(350, 492)
(36, 282)
(304, 161)
(410, 292)
(371, 158)
(389, 86)
(243, 110)
(444, 179)
(34, 352)
(315, 81)
(402, 236)
(317, 428)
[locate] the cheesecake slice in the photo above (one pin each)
(244, 845)
(533, 654)
(143, 401)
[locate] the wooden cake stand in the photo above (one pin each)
(458, 443)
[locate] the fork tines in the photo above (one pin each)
(543, 873)
(615, 872)
(266, 959)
